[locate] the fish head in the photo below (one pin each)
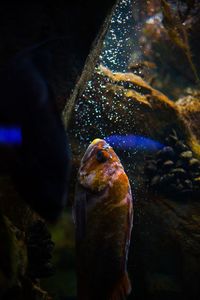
(98, 166)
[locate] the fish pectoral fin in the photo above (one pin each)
(122, 289)
(80, 213)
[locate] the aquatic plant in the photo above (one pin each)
(178, 34)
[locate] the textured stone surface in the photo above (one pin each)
(189, 108)
(164, 260)
(125, 104)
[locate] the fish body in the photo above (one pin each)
(133, 142)
(103, 217)
(33, 132)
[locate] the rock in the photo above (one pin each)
(13, 256)
(172, 139)
(168, 178)
(186, 193)
(155, 180)
(167, 249)
(126, 104)
(159, 163)
(172, 191)
(188, 184)
(180, 147)
(180, 163)
(197, 180)
(179, 172)
(179, 188)
(151, 169)
(186, 155)
(194, 174)
(39, 250)
(189, 108)
(166, 153)
(167, 165)
(150, 161)
(194, 163)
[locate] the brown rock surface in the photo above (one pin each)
(122, 103)
(165, 247)
(189, 108)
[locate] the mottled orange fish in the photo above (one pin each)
(103, 216)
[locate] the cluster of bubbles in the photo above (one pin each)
(99, 115)
(89, 112)
(115, 55)
(95, 106)
(118, 43)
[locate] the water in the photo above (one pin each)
(152, 123)
(142, 99)
(118, 43)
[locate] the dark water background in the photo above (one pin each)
(163, 263)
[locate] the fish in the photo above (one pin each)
(103, 214)
(10, 135)
(133, 142)
(32, 131)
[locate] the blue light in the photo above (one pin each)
(133, 142)
(10, 135)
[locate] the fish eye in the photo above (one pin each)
(101, 156)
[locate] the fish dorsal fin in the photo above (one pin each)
(122, 289)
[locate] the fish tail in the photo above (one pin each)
(122, 289)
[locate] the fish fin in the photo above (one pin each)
(122, 289)
(80, 213)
